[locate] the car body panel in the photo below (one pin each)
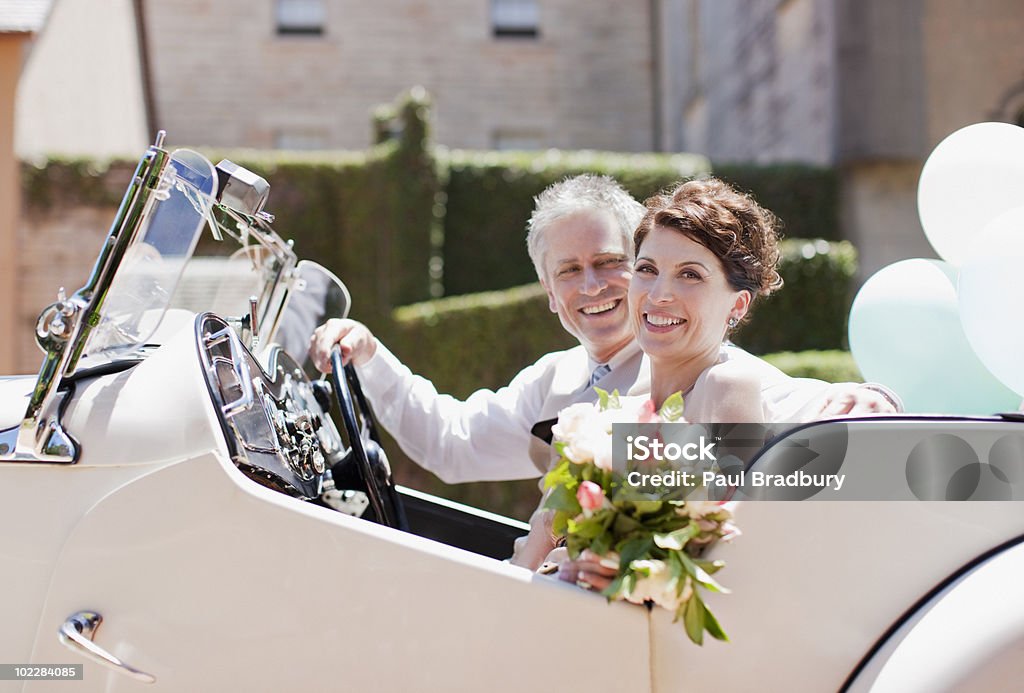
(815, 584)
(969, 636)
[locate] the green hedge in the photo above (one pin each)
(833, 366)
(490, 197)
(463, 341)
(810, 310)
(804, 197)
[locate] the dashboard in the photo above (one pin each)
(278, 432)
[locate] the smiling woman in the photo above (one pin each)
(703, 254)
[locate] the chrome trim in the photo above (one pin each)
(238, 366)
(254, 321)
(63, 327)
(76, 634)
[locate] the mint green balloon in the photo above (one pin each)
(905, 332)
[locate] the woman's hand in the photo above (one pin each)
(358, 344)
(589, 571)
(531, 550)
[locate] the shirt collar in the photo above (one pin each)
(621, 356)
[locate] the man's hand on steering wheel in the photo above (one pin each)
(357, 343)
(365, 453)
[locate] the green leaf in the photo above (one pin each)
(634, 549)
(676, 540)
(628, 582)
(602, 398)
(588, 528)
(561, 474)
(711, 567)
(625, 525)
(672, 409)
(613, 400)
(615, 588)
(601, 544)
(713, 627)
(560, 525)
(561, 498)
(652, 507)
(693, 619)
(700, 575)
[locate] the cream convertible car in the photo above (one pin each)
(180, 513)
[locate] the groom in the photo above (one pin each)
(580, 242)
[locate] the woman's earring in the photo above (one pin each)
(733, 322)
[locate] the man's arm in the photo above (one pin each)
(484, 438)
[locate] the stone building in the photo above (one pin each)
(868, 86)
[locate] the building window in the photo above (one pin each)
(514, 17)
(300, 17)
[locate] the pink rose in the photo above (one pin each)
(647, 413)
(590, 495)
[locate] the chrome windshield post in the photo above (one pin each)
(64, 327)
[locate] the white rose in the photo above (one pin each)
(591, 443)
(658, 586)
(571, 420)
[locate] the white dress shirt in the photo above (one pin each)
(486, 437)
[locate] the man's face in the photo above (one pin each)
(586, 275)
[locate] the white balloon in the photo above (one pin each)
(989, 292)
(970, 178)
(905, 332)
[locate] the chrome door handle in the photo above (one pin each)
(76, 634)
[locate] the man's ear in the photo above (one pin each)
(552, 306)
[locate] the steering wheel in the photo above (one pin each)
(365, 451)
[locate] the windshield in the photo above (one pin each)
(145, 281)
(224, 284)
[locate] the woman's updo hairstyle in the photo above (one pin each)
(742, 234)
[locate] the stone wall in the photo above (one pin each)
(749, 81)
(57, 247)
(974, 64)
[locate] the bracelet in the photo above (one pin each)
(887, 393)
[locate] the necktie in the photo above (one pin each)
(599, 372)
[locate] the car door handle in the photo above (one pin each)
(76, 634)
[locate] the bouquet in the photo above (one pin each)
(655, 540)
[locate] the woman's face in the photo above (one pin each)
(679, 298)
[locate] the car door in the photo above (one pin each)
(207, 581)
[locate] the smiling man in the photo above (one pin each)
(580, 239)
